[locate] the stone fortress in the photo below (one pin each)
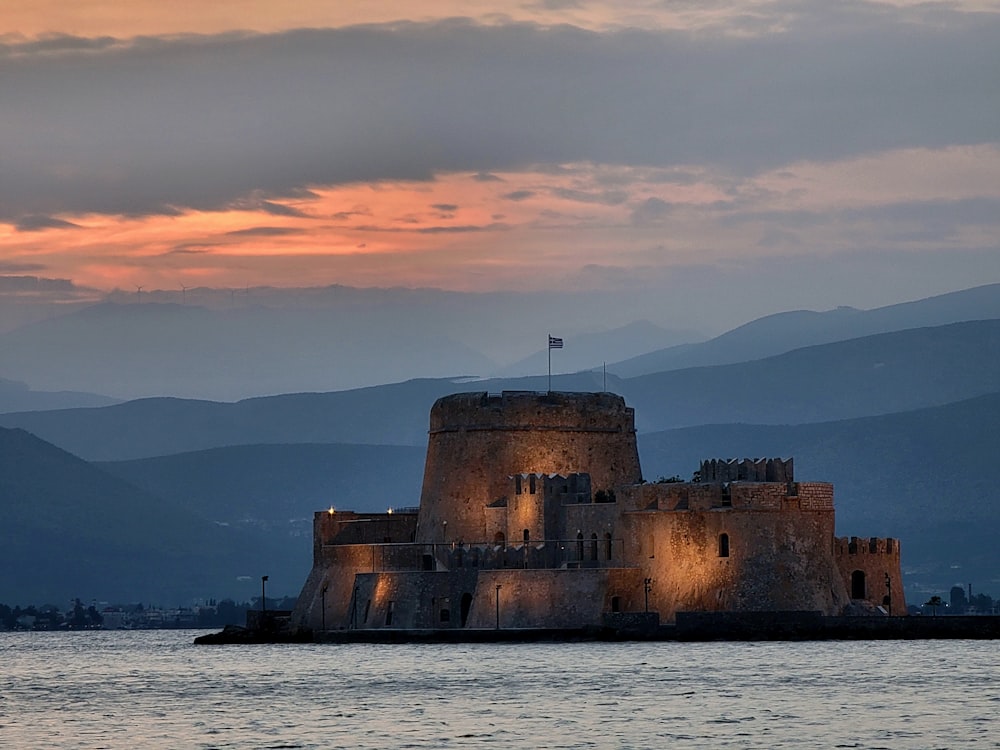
(534, 514)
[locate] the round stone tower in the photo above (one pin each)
(478, 441)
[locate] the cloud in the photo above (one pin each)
(486, 177)
(650, 211)
(15, 267)
(164, 125)
(604, 197)
(446, 207)
(462, 229)
(38, 223)
(518, 195)
(264, 232)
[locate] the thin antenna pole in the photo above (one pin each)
(605, 377)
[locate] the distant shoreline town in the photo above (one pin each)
(79, 616)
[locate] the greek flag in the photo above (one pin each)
(555, 343)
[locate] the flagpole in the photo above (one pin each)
(549, 347)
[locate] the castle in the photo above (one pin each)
(534, 514)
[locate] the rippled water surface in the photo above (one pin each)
(156, 689)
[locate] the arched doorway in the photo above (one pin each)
(858, 584)
(465, 605)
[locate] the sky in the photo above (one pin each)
(822, 153)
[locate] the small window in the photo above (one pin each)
(527, 536)
(616, 604)
(531, 484)
(517, 484)
(723, 545)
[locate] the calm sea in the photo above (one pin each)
(154, 689)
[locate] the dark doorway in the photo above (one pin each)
(616, 604)
(858, 584)
(466, 605)
(723, 545)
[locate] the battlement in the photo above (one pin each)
(747, 470)
(529, 410)
(568, 488)
(844, 545)
(753, 496)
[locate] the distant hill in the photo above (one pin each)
(891, 372)
(278, 487)
(923, 476)
(783, 332)
(68, 529)
(393, 414)
(18, 396)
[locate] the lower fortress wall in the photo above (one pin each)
(727, 560)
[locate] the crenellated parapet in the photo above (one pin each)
(747, 470)
(859, 546)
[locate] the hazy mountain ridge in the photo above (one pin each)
(69, 529)
(786, 331)
(280, 484)
(898, 371)
(880, 374)
(591, 350)
(18, 396)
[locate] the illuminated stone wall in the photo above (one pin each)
(478, 441)
(874, 559)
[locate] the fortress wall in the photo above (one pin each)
(778, 560)
(671, 496)
(334, 570)
(549, 598)
(594, 518)
(874, 559)
(814, 495)
(477, 441)
(755, 496)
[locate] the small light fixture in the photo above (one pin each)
(332, 510)
(389, 511)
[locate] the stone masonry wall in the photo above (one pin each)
(477, 441)
(865, 564)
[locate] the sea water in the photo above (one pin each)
(155, 689)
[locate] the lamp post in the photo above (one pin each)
(263, 598)
(354, 609)
(647, 584)
(498, 606)
(323, 611)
